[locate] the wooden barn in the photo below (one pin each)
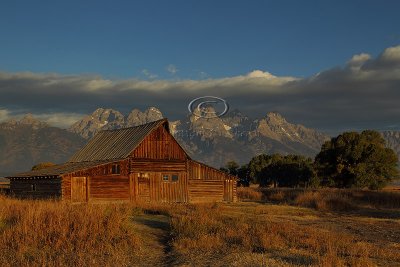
(142, 163)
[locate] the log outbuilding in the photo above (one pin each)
(142, 163)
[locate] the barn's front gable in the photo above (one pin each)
(159, 168)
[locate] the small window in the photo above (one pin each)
(175, 177)
(165, 177)
(33, 187)
(116, 169)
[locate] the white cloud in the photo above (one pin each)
(358, 60)
(364, 92)
(63, 120)
(391, 54)
(388, 61)
(59, 119)
(172, 69)
(98, 84)
(261, 74)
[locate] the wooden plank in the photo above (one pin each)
(78, 189)
(205, 190)
(144, 187)
(138, 165)
(159, 145)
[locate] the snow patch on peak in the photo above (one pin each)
(103, 123)
(227, 127)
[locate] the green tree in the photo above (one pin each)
(42, 165)
(258, 163)
(290, 171)
(230, 167)
(357, 160)
(241, 172)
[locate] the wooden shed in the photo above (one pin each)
(142, 163)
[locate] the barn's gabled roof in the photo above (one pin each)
(116, 144)
(60, 169)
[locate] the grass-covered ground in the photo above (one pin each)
(267, 228)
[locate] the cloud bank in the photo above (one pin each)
(364, 93)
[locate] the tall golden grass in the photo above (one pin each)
(50, 233)
(205, 233)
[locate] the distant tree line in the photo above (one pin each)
(350, 160)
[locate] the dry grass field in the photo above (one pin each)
(266, 228)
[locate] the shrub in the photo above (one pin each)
(248, 193)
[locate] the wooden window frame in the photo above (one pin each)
(177, 178)
(170, 175)
(165, 175)
(116, 169)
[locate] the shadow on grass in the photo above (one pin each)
(374, 213)
(154, 221)
(292, 259)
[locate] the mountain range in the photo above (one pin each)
(210, 139)
(214, 140)
(29, 141)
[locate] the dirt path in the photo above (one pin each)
(154, 231)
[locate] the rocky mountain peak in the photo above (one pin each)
(27, 120)
(153, 114)
(100, 119)
(205, 124)
(275, 118)
(207, 112)
(107, 115)
(274, 126)
(235, 119)
(136, 117)
(104, 119)
(152, 110)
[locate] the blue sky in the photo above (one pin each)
(196, 39)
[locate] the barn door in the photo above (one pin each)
(78, 189)
(144, 186)
(228, 190)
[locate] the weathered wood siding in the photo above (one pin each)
(36, 188)
(79, 189)
(102, 184)
(144, 165)
(230, 190)
(113, 187)
(203, 172)
(208, 184)
(206, 190)
(159, 144)
(150, 187)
